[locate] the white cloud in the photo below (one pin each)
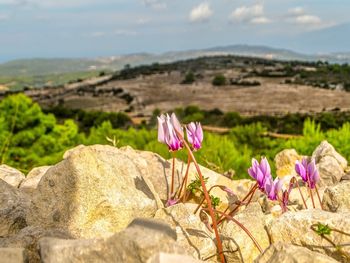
(155, 4)
(260, 20)
(246, 13)
(308, 20)
(298, 15)
(296, 11)
(201, 13)
(249, 14)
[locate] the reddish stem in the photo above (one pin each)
(312, 198)
(301, 194)
(184, 181)
(203, 199)
(207, 197)
(250, 194)
(241, 226)
(172, 178)
(318, 196)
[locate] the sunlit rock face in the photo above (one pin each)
(94, 192)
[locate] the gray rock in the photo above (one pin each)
(13, 209)
(95, 192)
(136, 244)
(287, 253)
(13, 255)
(28, 239)
(337, 198)
(11, 175)
(192, 234)
(330, 164)
(295, 228)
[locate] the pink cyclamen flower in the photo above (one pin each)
(169, 129)
(194, 134)
(308, 172)
(261, 173)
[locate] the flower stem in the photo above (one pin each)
(172, 177)
(184, 181)
(241, 226)
(207, 197)
(301, 194)
(250, 195)
(312, 197)
(318, 196)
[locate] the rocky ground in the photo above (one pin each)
(104, 204)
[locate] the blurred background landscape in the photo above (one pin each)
(261, 76)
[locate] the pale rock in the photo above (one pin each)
(94, 192)
(172, 258)
(285, 162)
(192, 234)
(295, 228)
(287, 253)
(337, 198)
(11, 175)
(13, 209)
(136, 244)
(326, 149)
(235, 240)
(28, 238)
(330, 164)
(33, 178)
(13, 255)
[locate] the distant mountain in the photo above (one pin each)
(32, 67)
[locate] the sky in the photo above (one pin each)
(94, 28)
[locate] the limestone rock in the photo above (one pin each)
(94, 192)
(172, 258)
(326, 149)
(235, 240)
(28, 238)
(337, 198)
(33, 178)
(11, 175)
(330, 164)
(191, 232)
(136, 244)
(287, 253)
(285, 162)
(13, 255)
(295, 228)
(13, 209)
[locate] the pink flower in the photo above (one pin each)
(194, 134)
(308, 172)
(169, 129)
(262, 174)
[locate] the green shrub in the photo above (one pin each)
(219, 80)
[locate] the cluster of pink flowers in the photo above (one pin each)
(171, 133)
(275, 189)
